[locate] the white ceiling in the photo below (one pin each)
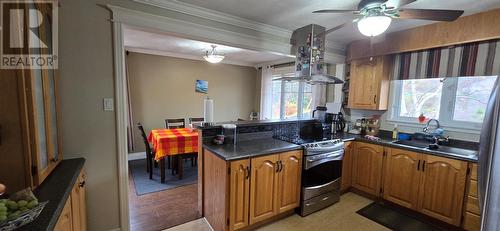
(162, 44)
(293, 14)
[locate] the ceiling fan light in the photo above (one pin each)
(374, 25)
(213, 58)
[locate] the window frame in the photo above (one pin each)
(446, 110)
(289, 71)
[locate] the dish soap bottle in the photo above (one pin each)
(395, 132)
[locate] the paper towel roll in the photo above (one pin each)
(208, 110)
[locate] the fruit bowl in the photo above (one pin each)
(23, 218)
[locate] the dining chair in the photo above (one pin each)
(175, 123)
(196, 120)
(149, 151)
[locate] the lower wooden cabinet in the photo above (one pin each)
(255, 189)
(472, 213)
(429, 184)
(402, 177)
(442, 188)
(347, 166)
(367, 167)
(73, 216)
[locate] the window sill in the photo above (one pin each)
(446, 127)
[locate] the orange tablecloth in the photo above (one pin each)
(167, 142)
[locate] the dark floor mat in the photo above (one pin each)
(395, 219)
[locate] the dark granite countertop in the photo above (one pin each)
(250, 148)
(385, 141)
(56, 189)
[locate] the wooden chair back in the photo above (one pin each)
(145, 139)
(195, 120)
(175, 123)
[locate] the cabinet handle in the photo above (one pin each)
(247, 172)
(418, 166)
(277, 166)
(81, 184)
(423, 167)
(281, 166)
(375, 99)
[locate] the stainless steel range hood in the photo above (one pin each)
(308, 44)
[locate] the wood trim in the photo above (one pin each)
(25, 126)
(200, 173)
(473, 28)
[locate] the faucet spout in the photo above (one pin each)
(426, 128)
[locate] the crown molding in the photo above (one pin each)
(183, 56)
(217, 16)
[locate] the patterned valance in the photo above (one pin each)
(471, 59)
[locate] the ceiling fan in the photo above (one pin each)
(375, 16)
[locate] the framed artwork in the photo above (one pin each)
(202, 86)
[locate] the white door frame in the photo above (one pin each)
(123, 17)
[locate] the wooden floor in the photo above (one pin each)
(164, 209)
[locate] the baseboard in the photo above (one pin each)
(136, 156)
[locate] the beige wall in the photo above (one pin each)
(164, 87)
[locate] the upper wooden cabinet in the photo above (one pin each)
(402, 177)
(442, 188)
(369, 83)
(347, 166)
(367, 167)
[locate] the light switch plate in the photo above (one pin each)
(108, 104)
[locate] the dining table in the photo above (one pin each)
(173, 143)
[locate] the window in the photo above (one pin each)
(291, 99)
(456, 102)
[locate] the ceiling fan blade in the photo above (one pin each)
(334, 11)
(398, 3)
(436, 15)
(336, 28)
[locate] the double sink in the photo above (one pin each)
(442, 149)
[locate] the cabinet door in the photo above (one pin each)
(367, 167)
(64, 223)
(442, 188)
(239, 191)
(289, 177)
(402, 177)
(263, 188)
(347, 167)
(78, 208)
(361, 85)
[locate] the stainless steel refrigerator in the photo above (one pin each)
(489, 164)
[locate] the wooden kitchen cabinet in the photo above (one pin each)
(367, 167)
(472, 213)
(347, 167)
(402, 177)
(239, 194)
(442, 188)
(369, 83)
(254, 190)
(263, 188)
(289, 177)
(73, 216)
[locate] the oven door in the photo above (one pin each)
(321, 174)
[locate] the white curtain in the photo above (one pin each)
(266, 91)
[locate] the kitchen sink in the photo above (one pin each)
(442, 149)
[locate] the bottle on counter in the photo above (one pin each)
(395, 132)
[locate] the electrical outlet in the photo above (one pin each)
(108, 104)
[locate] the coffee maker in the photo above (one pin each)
(336, 121)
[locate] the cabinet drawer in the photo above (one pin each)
(473, 205)
(473, 188)
(473, 173)
(472, 222)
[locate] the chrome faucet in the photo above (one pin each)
(426, 128)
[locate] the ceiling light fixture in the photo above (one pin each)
(374, 25)
(212, 56)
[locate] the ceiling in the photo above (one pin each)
(293, 14)
(162, 44)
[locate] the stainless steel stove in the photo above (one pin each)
(321, 174)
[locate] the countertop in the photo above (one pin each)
(250, 148)
(56, 189)
(385, 141)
